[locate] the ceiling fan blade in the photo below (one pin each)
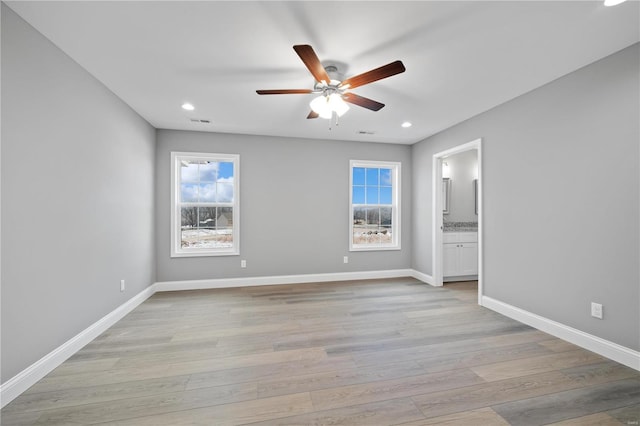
(312, 62)
(313, 114)
(352, 98)
(284, 92)
(384, 71)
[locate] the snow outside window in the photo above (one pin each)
(375, 205)
(204, 203)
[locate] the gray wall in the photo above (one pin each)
(77, 198)
(294, 206)
(463, 168)
(561, 198)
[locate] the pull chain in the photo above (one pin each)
(334, 119)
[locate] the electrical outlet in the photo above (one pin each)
(596, 310)
(243, 263)
(345, 259)
(121, 285)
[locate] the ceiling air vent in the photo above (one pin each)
(366, 132)
(199, 120)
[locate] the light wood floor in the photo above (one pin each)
(351, 353)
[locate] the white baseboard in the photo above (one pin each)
(613, 351)
(280, 279)
(422, 277)
(453, 279)
(30, 375)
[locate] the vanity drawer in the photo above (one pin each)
(450, 237)
(460, 237)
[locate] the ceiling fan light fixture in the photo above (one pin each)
(325, 105)
(337, 104)
(613, 2)
(320, 105)
(326, 114)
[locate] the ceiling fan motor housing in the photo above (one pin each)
(332, 70)
(331, 86)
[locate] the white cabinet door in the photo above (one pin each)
(468, 259)
(460, 254)
(450, 260)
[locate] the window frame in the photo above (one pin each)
(176, 217)
(396, 168)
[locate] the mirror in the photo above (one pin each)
(446, 191)
(475, 193)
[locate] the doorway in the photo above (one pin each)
(438, 214)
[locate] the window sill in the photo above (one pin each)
(205, 254)
(376, 248)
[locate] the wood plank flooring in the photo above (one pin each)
(373, 353)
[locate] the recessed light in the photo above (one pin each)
(188, 106)
(406, 124)
(613, 2)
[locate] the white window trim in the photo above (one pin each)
(395, 212)
(176, 249)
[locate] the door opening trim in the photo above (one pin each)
(437, 222)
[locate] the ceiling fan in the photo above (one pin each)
(333, 93)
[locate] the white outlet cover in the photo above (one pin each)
(596, 310)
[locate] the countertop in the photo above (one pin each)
(460, 227)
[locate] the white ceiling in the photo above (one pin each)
(462, 58)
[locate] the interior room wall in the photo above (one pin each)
(561, 189)
(77, 198)
(294, 206)
(463, 169)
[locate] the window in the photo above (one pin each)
(204, 204)
(375, 205)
